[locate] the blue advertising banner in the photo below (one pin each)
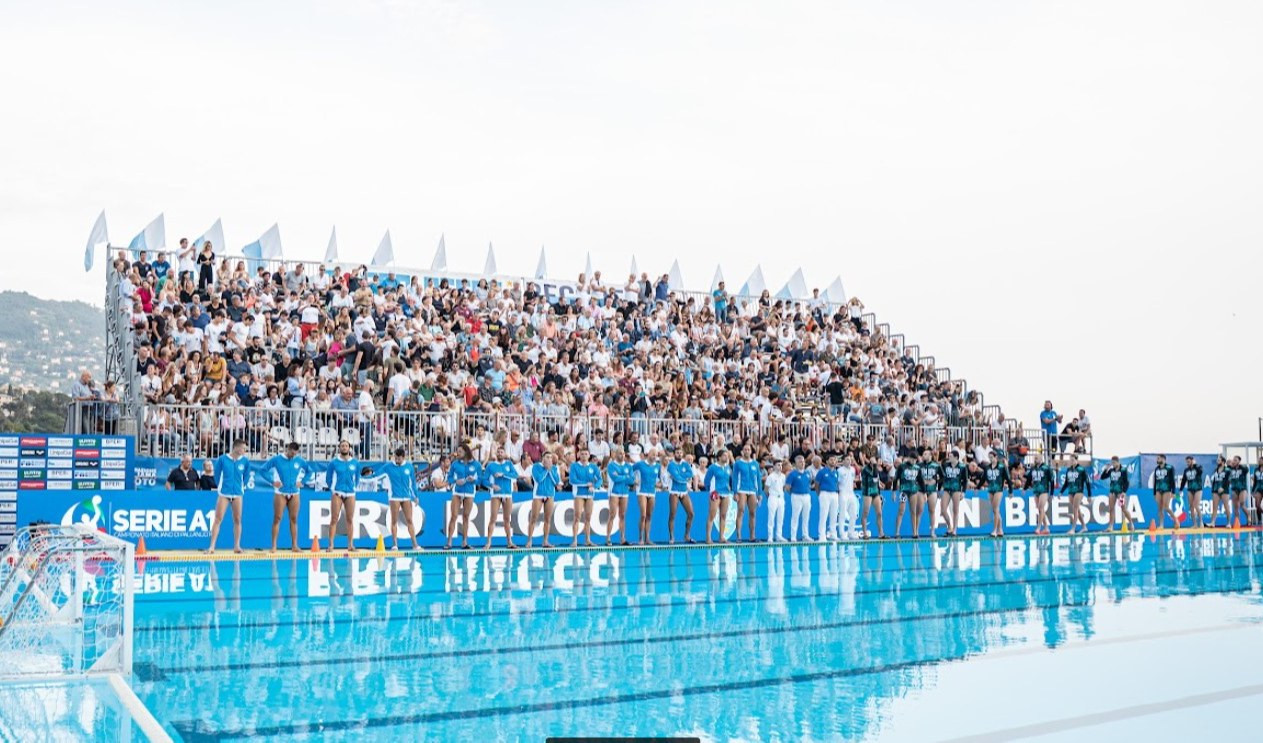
(33, 464)
(183, 519)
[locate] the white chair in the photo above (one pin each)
(304, 436)
(279, 436)
(327, 440)
(351, 435)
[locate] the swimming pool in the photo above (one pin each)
(881, 640)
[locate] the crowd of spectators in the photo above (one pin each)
(224, 350)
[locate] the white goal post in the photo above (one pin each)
(65, 603)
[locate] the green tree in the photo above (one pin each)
(32, 410)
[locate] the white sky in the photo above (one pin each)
(1057, 199)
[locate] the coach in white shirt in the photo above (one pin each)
(775, 485)
(848, 502)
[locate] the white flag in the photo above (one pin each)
(719, 276)
(835, 294)
(489, 268)
(541, 270)
(634, 271)
(216, 237)
(153, 237)
(440, 256)
(675, 279)
(385, 254)
(267, 247)
(754, 285)
(587, 266)
(98, 235)
(331, 252)
(795, 288)
(270, 242)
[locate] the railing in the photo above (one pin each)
(121, 352)
(95, 417)
(1057, 445)
(176, 430)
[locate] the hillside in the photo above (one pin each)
(44, 343)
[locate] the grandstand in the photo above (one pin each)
(276, 351)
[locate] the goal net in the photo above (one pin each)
(65, 603)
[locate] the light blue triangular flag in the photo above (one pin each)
(98, 235)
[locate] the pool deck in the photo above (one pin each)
(310, 554)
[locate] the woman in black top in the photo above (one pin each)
(206, 266)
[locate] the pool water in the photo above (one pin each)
(927, 640)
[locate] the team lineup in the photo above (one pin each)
(927, 489)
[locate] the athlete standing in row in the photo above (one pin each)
(231, 473)
(466, 472)
(344, 475)
(621, 476)
(680, 474)
(288, 471)
(1219, 492)
(749, 486)
(718, 482)
(499, 477)
(870, 485)
(931, 484)
(1115, 477)
(648, 474)
(1040, 479)
(908, 475)
(1164, 492)
(1238, 488)
(1191, 482)
(955, 476)
(1078, 482)
(996, 475)
(400, 477)
(1258, 491)
(584, 477)
(547, 479)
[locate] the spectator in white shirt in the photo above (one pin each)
(599, 448)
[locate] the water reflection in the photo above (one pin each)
(809, 638)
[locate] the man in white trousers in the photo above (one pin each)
(848, 502)
(827, 487)
(774, 486)
(798, 483)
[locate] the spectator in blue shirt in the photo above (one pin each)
(720, 300)
(1048, 420)
(662, 290)
(161, 267)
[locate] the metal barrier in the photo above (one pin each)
(176, 430)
